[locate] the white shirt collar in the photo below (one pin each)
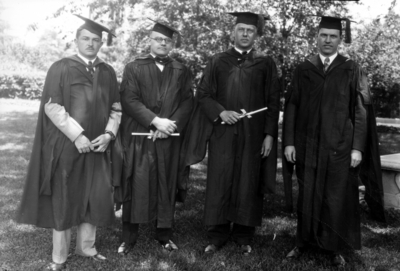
(331, 58)
(153, 55)
(160, 66)
(241, 51)
(86, 60)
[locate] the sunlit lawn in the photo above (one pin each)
(24, 247)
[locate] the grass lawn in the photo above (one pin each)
(24, 247)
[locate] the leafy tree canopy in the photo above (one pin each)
(206, 27)
(290, 36)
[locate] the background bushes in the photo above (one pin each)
(24, 86)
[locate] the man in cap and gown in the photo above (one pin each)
(69, 175)
(156, 97)
(239, 78)
(327, 134)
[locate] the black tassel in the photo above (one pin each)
(109, 38)
(178, 41)
(347, 32)
(260, 25)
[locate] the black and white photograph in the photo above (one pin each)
(199, 135)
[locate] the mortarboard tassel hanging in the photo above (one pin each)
(95, 28)
(109, 39)
(260, 25)
(178, 41)
(347, 32)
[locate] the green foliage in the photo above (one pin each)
(23, 68)
(206, 30)
(377, 50)
(27, 86)
(3, 24)
(206, 27)
(20, 57)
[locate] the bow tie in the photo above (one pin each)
(160, 60)
(243, 57)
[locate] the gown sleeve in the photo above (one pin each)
(131, 99)
(62, 120)
(207, 92)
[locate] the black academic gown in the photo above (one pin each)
(150, 168)
(325, 118)
(64, 188)
(232, 82)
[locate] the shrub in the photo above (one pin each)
(25, 86)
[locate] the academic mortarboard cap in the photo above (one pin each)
(164, 29)
(95, 28)
(336, 23)
(250, 18)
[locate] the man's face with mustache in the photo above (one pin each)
(245, 35)
(88, 44)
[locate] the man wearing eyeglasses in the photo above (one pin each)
(156, 97)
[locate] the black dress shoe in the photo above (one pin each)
(124, 248)
(99, 258)
(54, 266)
(245, 250)
(168, 246)
(294, 253)
(210, 249)
(338, 260)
